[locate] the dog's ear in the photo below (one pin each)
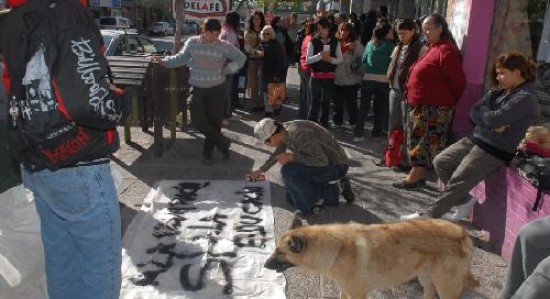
(297, 244)
(297, 222)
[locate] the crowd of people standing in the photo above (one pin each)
(410, 73)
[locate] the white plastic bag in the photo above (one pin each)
(118, 178)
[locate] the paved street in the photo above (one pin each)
(377, 200)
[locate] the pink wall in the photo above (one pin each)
(507, 200)
(475, 52)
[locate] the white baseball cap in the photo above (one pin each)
(264, 129)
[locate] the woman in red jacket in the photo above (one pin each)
(434, 86)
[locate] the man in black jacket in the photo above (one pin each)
(62, 127)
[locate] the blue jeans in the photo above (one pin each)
(80, 223)
(307, 184)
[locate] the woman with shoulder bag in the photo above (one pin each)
(406, 53)
(273, 70)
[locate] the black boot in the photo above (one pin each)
(347, 192)
(223, 147)
(207, 152)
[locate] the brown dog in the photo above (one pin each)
(361, 258)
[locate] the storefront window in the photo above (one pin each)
(539, 26)
(426, 7)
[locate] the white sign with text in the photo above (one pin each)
(202, 239)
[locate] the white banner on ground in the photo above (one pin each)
(201, 239)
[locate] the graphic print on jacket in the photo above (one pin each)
(63, 110)
(86, 66)
(37, 83)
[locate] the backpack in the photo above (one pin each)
(536, 170)
(392, 153)
(62, 109)
(300, 36)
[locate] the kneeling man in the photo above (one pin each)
(313, 163)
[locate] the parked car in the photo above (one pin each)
(114, 23)
(190, 27)
(161, 28)
(127, 42)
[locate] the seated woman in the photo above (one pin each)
(501, 119)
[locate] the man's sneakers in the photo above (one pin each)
(347, 192)
(417, 215)
(358, 139)
(463, 211)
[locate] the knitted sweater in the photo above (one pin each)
(377, 57)
(437, 78)
(207, 62)
(311, 144)
(344, 74)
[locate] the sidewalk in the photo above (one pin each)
(376, 202)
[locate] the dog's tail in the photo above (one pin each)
(470, 282)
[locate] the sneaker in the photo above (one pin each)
(358, 139)
(380, 163)
(334, 126)
(318, 208)
(347, 192)
(225, 122)
(417, 215)
(463, 211)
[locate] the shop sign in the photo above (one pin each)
(201, 9)
(106, 3)
(298, 6)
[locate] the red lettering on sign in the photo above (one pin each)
(68, 148)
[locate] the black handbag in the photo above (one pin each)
(536, 170)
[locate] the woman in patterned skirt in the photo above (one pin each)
(434, 86)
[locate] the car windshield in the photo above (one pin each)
(107, 21)
(148, 47)
(106, 39)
